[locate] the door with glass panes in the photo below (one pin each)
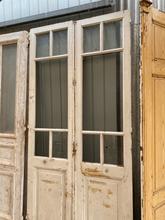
(13, 75)
(79, 165)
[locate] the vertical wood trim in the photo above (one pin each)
(0, 74)
(147, 134)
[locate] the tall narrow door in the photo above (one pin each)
(103, 118)
(51, 131)
(153, 79)
(13, 74)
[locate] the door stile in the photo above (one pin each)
(126, 186)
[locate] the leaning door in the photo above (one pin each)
(51, 133)
(103, 118)
(153, 81)
(13, 74)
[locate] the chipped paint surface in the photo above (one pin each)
(12, 145)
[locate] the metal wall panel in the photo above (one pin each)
(160, 4)
(15, 9)
(23, 9)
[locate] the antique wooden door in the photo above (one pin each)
(103, 118)
(13, 74)
(51, 131)
(79, 159)
(153, 103)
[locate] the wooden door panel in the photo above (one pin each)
(101, 193)
(159, 131)
(51, 108)
(153, 78)
(159, 213)
(159, 36)
(50, 193)
(103, 162)
(12, 134)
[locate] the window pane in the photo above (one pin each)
(91, 38)
(113, 150)
(42, 45)
(91, 148)
(113, 35)
(102, 92)
(42, 144)
(8, 89)
(60, 42)
(60, 145)
(51, 94)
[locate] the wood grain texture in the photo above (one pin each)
(153, 111)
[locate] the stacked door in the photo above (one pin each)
(13, 73)
(79, 154)
(153, 73)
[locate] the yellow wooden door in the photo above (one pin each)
(153, 111)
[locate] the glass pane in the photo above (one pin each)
(60, 145)
(92, 38)
(125, 4)
(113, 35)
(60, 42)
(113, 150)
(91, 148)
(42, 144)
(102, 92)
(8, 89)
(42, 45)
(51, 94)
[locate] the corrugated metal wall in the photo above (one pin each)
(15, 9)
(160, 4)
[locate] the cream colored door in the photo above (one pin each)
(153, 102)
(13, 74)
(51, 131)
(103, 173)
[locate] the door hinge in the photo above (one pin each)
(74, 82)
(74, 148)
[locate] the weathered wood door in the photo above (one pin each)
(79, 163)
(13, 74)
(51, 131)
(103, 118)
(153, 102)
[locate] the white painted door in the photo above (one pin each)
(103, 118)
(51, 131)
(79, 165)
(13, 74)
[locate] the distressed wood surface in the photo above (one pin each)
(101, 189)
(153, 112)
(12, 145)
(50, 185)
